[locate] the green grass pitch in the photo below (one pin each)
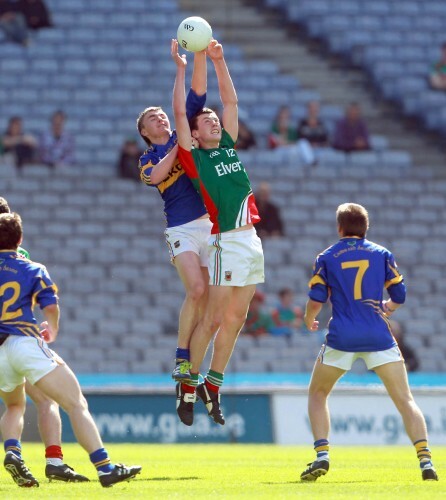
(239, 471)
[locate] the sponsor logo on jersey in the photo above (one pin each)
(214, 153)
(223, 169)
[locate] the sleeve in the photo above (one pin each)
(146, 163)
(187, 162)
(394, 281)
(194, 103)
(319, 283)
(45, 291)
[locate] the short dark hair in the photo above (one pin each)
(285, 291)
(352, 219)
(140, 119)
(11, 231)
(4, 207)
(193, 121)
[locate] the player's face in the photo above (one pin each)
(208, 128)
(156, 125)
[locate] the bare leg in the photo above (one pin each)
(62, 386)
(323, 379)
(195, 280)
(394, 377)
(48, 416)
(233, 320)
(11, 423)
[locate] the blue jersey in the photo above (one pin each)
(182, 203)
(354, 273)
(22, 285)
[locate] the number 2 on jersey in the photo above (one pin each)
(5, 316)
(362, 266)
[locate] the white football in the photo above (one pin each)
(194, 34)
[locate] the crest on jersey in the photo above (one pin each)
(228, 275)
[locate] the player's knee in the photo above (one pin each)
(46, 406)
(196, 291)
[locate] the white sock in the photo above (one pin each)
(54, 461)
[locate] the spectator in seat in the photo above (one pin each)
(246, 138)
(13, 22)
(271, 224)
(258, 322)
(22, 146)
(351, 132)
(287, 317)
(410, 358)
(283, 133)
(129, 160)
(312, 128)
(56, 144)
(438, 72)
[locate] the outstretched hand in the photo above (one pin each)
(215, 50)
(180, 61)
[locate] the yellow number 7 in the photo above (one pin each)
(362, 266)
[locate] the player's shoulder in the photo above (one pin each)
(376, 247)
(328, 251)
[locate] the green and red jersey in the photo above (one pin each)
(221, 179)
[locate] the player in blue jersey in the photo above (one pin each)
(353, 274)
(48, 416)
(188, 225)
(24, 354)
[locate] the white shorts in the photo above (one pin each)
(236, 259)
(344, 360)
(190, 237)
(25, 358)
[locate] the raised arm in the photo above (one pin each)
(199, 73)
(228, 95)
(179, 99)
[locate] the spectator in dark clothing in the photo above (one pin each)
(13, 22)
(351, 132)
(311, 128)
(17, 16)
(271, 222)
(410, 358)
(246, 138)
(129, 159)
(22, 146)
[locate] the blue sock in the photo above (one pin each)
(322, 447)
(183, 354)
(101, 461)
(13, 445)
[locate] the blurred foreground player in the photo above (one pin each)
(48, 417)
(353, 273)
(24, 354)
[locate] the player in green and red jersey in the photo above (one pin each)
(235, 251)
(48, 416)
